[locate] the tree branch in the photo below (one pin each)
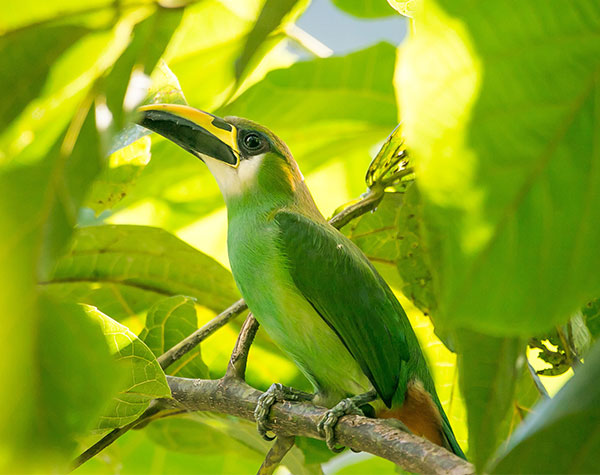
(234, 397)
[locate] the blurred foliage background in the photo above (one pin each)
(496, 240)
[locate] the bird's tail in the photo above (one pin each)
(423, 414)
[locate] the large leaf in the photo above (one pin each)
(36, 213)
(25, 60)
(71, 348)
(168, 322)
(488, 374)
(211, 38)
(507, 163)
(150, 39)
(42, 194)
(563, 433)
(144, 380)
(327, 109)
(123, 270)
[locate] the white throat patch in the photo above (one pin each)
(233, 181)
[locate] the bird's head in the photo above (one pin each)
(246, 159)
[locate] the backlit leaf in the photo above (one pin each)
(508, 221)
(168, 322)
(144, 380)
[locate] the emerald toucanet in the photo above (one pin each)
(311, 288)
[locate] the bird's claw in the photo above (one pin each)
(276, 393)
(326, 425)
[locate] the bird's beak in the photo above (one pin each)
(200, 133)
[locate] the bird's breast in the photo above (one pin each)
(264, 280)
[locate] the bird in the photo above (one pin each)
(310, 287)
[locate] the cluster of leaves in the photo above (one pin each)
(494, 240)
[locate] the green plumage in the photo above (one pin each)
(311, 288)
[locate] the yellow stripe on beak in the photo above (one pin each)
(212, 125)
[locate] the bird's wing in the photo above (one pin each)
(348, 293)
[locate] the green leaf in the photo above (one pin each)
(115, 180)
(365, 8)
(209, 41)
(204, 433)
(144, 381)
(270, 19)
(150, 38)
(527, 394)
(26, 58)
(390, 237)
(168, 322)
(591, 313)
(327, 109)
(563, 433)
(489, 370)
(377, 234)
(509, 225)
(123, 270)
(71, 348)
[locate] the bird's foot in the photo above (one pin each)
(345, 407)
(276, 393)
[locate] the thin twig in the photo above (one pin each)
(155, 410)
(176, 352)
(282, 446)
(367, 203)
(239, 356)
(377, 436)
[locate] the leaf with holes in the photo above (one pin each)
(145, 378)
(168, 322)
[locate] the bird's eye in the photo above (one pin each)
(252, 141)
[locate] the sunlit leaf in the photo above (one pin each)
(123, 270)
(124, 166)
(168, 322)
(150, 38)
(561, 436)
(508, 223)
(144, 378)
(271, 17)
